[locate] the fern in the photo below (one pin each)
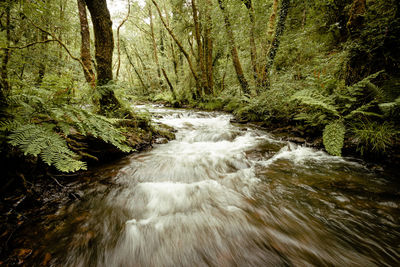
(40, 127)
(333, 137)
(316, 100)
(87, 123)
(391, 108)
(33, 139)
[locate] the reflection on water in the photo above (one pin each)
(224, 195)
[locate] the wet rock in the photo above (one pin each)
(161, 140)
(297, 140)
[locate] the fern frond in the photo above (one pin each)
(9, 125)
(363, 110)
(333, 137)
(35, 139)
(316, 100)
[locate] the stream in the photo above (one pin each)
(229, 195)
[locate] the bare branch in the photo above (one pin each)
(56, 39)
(118, 45)
(30, 44)
(184, 52)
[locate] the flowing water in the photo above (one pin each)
(230, 195)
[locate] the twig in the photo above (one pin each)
(57, 182)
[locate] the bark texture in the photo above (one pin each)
(104, 44)
(253, 48)
(280, 27)
(85, 44)
(209, 48)
(104, 40)
(5, 86)
(234, 53)
(356, 17)
(200, 51)
(153, 38)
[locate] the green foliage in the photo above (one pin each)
(163, 97)
(35, 139)
(373, 136)
(333, 137)
(344, 103)
(391, 109)
(41, 125)
(212, 104)
(87, 123)
(317, 101)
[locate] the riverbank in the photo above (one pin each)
(31, 191)
(300, 133)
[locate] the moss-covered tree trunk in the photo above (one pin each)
(104, 44)
(208, 53)
(153, 38)
(85, 44)
(356, 15)
(41, 64)
(4, 84)
(273, 49)
(234, 53)
(253, 48)
(200, 50)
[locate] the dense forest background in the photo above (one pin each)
(324, 70)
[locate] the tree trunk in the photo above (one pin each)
(272, 18)
(5, 85)
(42, 66)
(104, 44)
(200, 52)
(209, 48)
(280, 27)
(179, 44)
(171, 88)
(85, 44)
(145, 87)
(118, 39)
(356, 17)
(155, 55)
(268, 40)
(235, 57)
(253, 48)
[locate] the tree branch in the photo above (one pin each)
(56, 39)
(118, 45)
(30, 44)
(178, 43)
